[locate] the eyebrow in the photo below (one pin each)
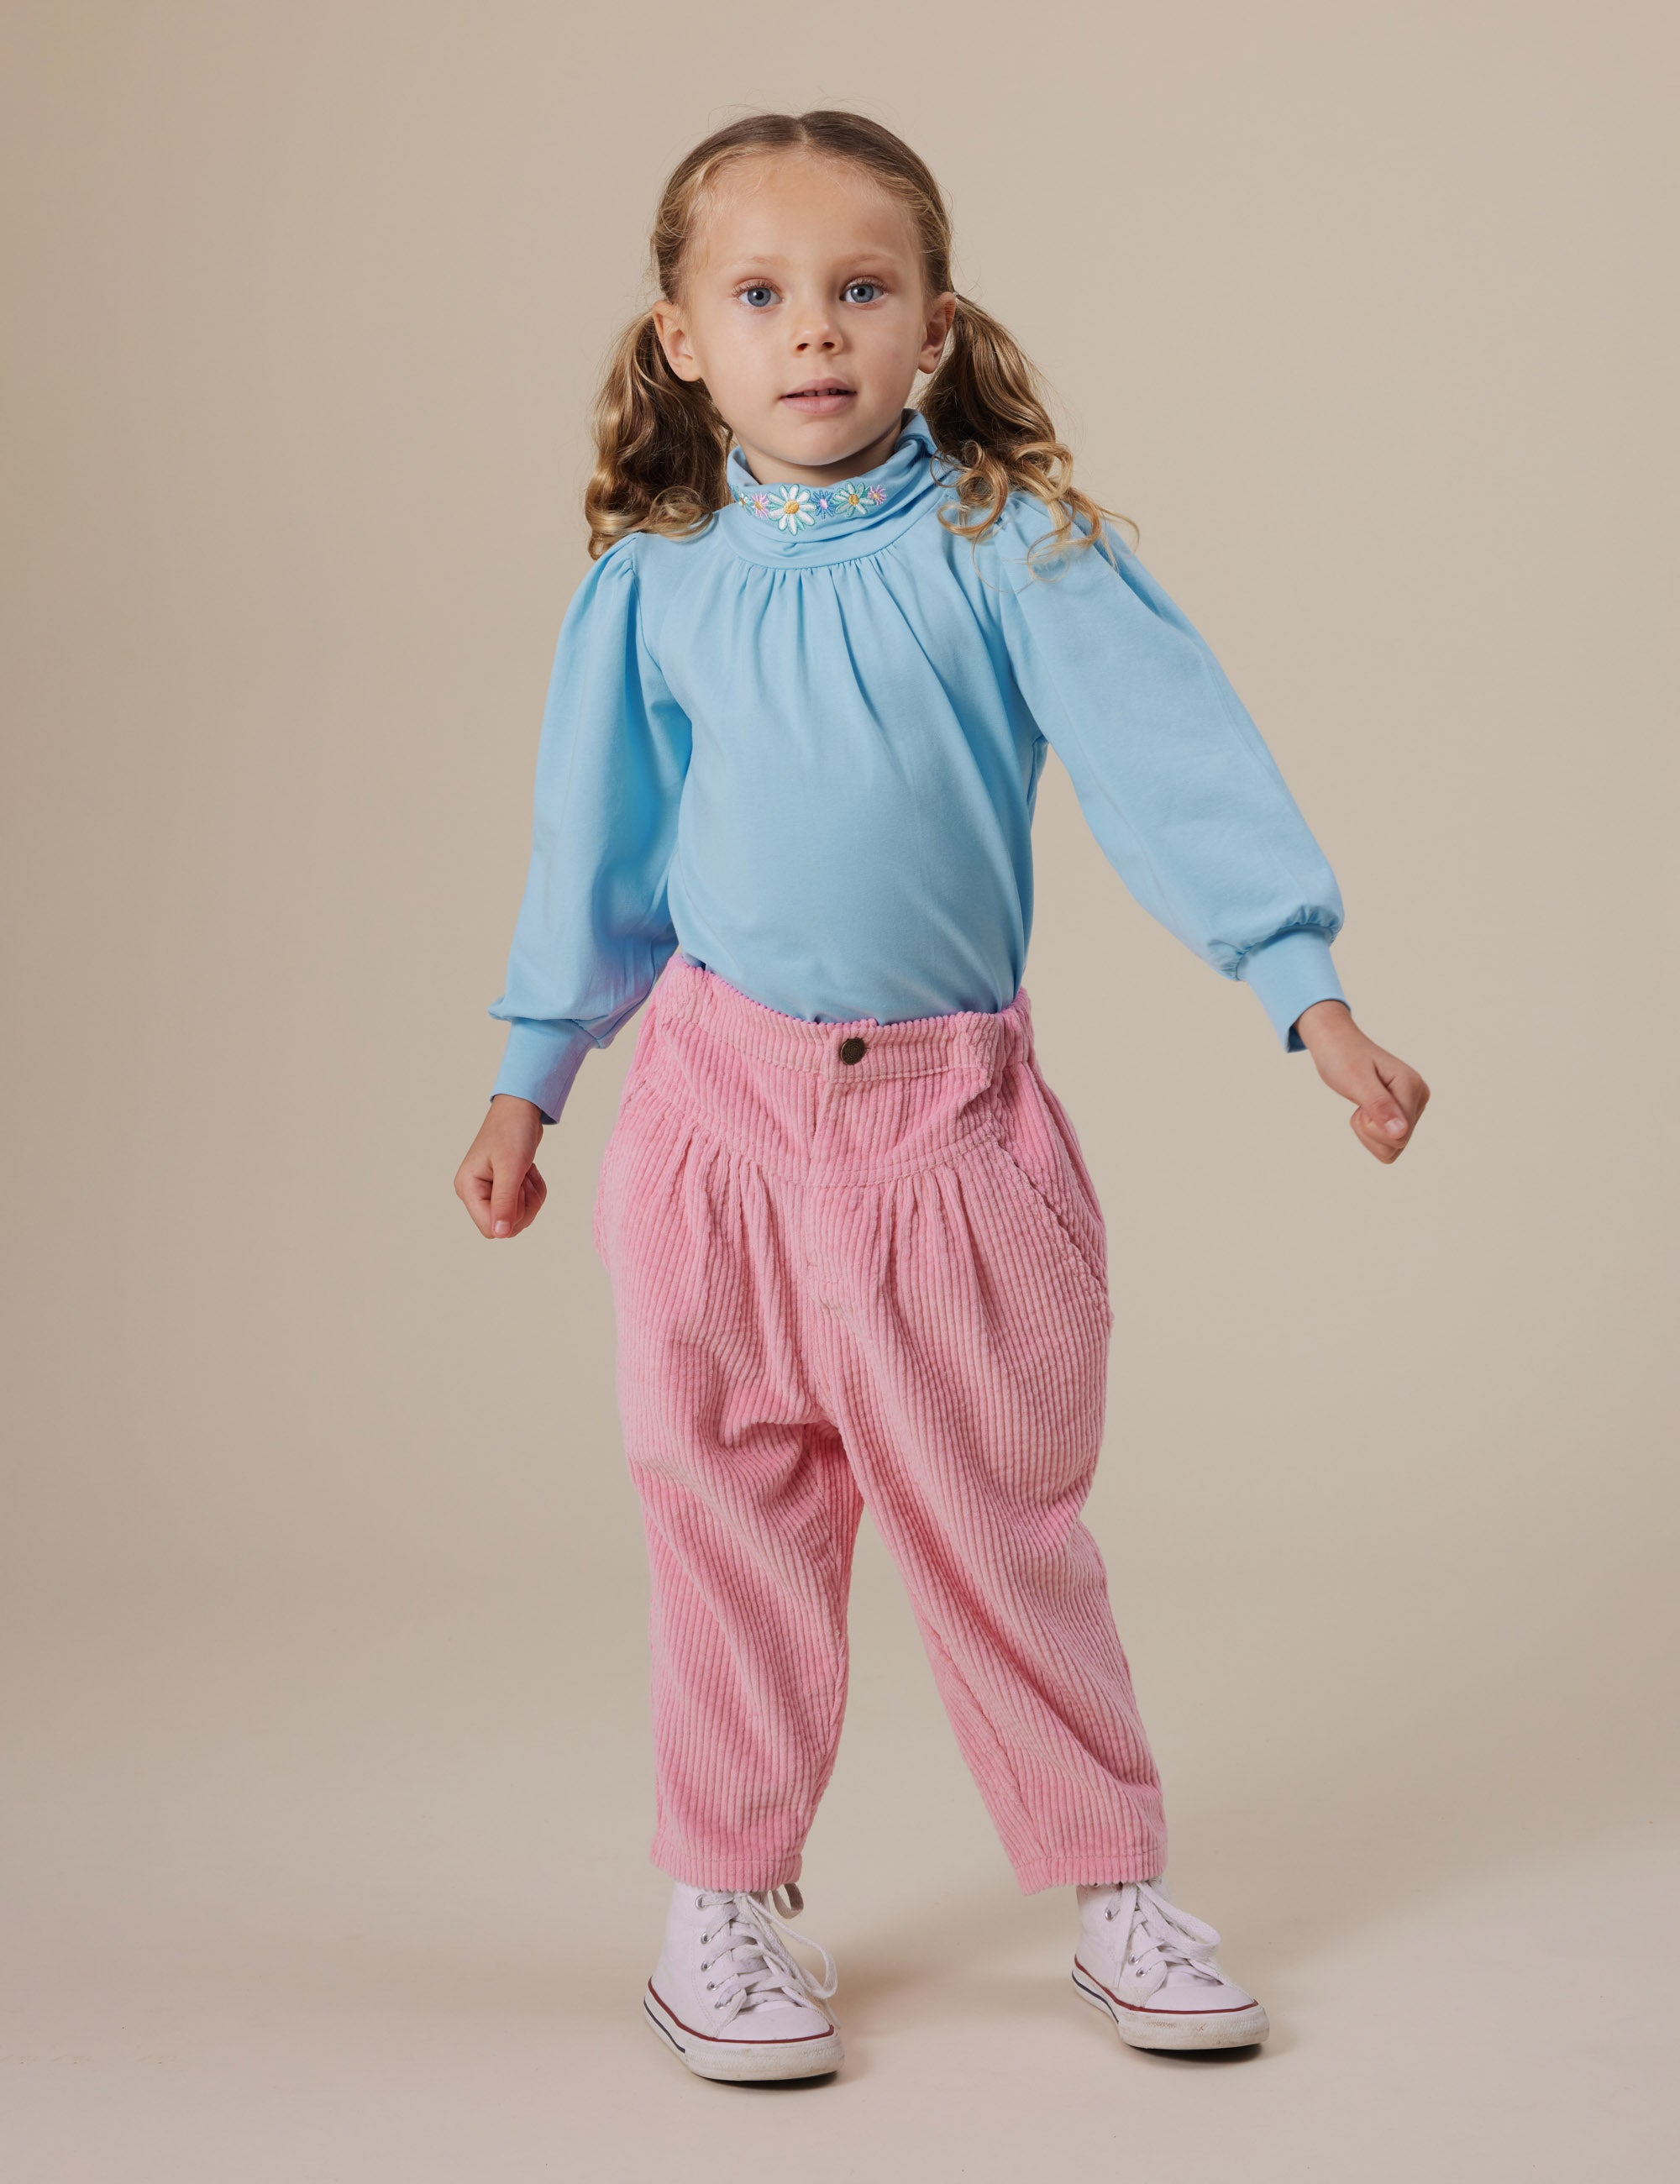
(752, 261)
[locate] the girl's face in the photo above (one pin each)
(804, 276)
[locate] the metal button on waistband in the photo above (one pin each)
(851, 1049)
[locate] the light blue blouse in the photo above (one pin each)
(805, 746)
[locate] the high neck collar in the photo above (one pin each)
(787, 521)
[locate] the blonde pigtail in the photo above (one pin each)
(661, 445)
(985, 408)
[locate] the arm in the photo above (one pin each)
(1187, 803)
(594, 930)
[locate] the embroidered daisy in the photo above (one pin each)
(796, 507)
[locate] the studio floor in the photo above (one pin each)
(364, 1897)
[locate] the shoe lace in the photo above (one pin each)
(1159, 1932)
(752, 1963)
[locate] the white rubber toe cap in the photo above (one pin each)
(1240, 2025)
(758, 2046)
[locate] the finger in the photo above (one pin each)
(1385, 1147)
(506, 1192)
(1394, 1110)
(1402, 1085)
(1384, 1119)
(535, 1191)
(472, 1188)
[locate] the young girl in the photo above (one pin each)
(798, 716)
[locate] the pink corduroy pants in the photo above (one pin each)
(858, 1264)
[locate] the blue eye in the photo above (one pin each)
(850, 285)
(756, 288)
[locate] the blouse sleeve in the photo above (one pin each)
(1172, 776)
(594, 929)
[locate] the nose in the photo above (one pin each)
(815, 327)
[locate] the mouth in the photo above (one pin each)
(821, 395)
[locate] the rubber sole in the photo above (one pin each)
(1169, 2031)
(746, 2062)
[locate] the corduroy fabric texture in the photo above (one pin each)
(856, 1264)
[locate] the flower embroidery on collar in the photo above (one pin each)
(796, 507)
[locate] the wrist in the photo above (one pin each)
(1324, 1020)
(506, 1100)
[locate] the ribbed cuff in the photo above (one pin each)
(540, 1061)
(1287, 975)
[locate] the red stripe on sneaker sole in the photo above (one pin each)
(1142, 2009)
(794, 2040)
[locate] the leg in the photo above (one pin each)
(750, 1553)
(969, 1381)
(750, 1509)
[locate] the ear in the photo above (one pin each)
(936, 329)
(673, 338)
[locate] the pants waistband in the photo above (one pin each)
(975, 1041)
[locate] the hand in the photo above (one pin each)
(1387, 1096)
(496, 1182)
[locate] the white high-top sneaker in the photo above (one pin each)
(1151, 1967)
(729, 1995)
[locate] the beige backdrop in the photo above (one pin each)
(330, 1785)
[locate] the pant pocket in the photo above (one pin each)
(1034, 1130)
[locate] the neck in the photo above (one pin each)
(770, 469)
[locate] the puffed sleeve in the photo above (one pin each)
(1172, 774)
(594, 929)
